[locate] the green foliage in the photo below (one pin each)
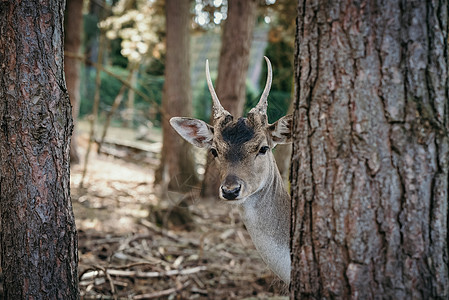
(108, 90)
(278, 103)
(91, 31)
(202, 101)
(117, 59)
(149, 85)
(280, 53)
(281, 57)
(156, 66)
(152, 87)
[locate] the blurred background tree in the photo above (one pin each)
(72, 65)
(177, 166)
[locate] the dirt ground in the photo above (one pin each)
(134, 244)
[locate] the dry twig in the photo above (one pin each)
(162, 293)
(126, 273)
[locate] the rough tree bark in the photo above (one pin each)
(72, 66)
(371, 151)
(38, 234)
(177, 168)
(232, 69)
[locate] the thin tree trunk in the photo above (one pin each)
(129, 116)
(73, 29)
(232, 69)
(38, 234)
(371, 151)
(95, 107)
(177, 168)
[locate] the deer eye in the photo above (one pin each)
(214, 152)
(263, 150)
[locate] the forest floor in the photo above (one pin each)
(135, 244)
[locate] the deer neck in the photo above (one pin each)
(266, 215)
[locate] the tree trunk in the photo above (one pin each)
(371, 151)
(234, 55)
(232, 69)
(177, 168)
(38, 234)
(73, 28)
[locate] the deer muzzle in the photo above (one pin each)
(231, 187)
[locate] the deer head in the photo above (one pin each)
(242, 147)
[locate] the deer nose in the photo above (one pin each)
(230, 188)
(231, 194)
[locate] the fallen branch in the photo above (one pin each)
(126, 273)
(162, 293)
(160, 231)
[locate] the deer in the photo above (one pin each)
(248, 172)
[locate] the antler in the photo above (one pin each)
(261, 107)
(217, 108)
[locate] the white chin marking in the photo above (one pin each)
(235, 201)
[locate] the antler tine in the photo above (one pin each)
(261, 107)
(217, 108)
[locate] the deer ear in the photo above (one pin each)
(281, 131)
(194, 131)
